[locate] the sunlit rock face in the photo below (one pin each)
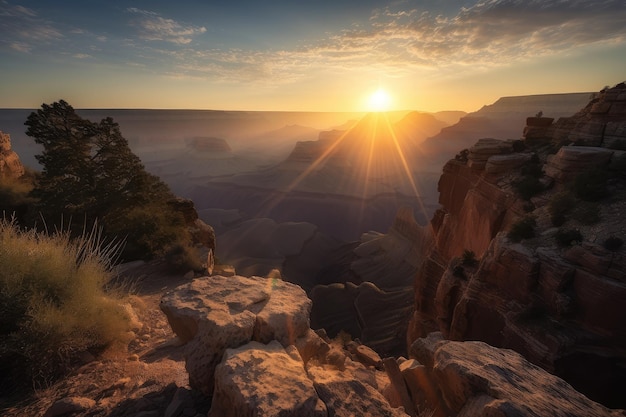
(249, 347)
(503, 119)
(10, 164)
(475, 379)
(559, 306)
(214, 313)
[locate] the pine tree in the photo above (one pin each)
(90, 174)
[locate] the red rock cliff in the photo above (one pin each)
(561, 306)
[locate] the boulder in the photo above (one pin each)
(473, 378)
(264, 380)
(211, 314)
(350, 393)
(69, 405)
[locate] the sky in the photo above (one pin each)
(297, 55)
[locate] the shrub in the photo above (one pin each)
(469, 258)
(523, 229)
(528, 186)
(458, 271)
(56, 300)
(14, 196)
(591, 185)
(613, 243)
(519, 145)
(183, 258)
(568, 237)
(462, 155)
(559, 206)
(586, 213)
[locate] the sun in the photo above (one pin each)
(379, 101)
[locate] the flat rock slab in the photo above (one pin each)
(264, 380)
(214, 313)
(477, 379)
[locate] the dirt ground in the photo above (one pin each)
(138, 379)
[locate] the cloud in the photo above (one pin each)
(400, 42)
(23, 30)
(489, 33)
(153, 27)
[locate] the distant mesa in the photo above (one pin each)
(209, 144)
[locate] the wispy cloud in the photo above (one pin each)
(22, 29)
(153, 27)
(491, 33)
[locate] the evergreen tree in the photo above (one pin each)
(90, 174)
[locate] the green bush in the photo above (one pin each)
(559, 206)
(591, 185)
(14, 196)
(568, 237)
(469, 258)
(528, 186)
(183, 258)
(586, 213)
(458, 271)
(523, 229)
(56, 300)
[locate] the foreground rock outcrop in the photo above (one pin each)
(250, 348)
(557, 300)
(475, 379)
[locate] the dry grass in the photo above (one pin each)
(56, 300)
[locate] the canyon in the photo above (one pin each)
(448, 313)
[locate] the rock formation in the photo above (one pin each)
(376, 276)
(210, 145)
(499, 120)
(10, 164)
(250, 348)
(475, 379)
(558, 304)
(201, 233)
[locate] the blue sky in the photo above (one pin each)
(305, 55)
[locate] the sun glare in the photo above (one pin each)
(379, 101)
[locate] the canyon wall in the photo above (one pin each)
(558, 303)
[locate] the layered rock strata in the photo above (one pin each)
(378, 276)
(475, 379)
(558, 304)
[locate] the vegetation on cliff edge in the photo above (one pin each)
(56, 301)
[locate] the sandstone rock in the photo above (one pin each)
(264, 380)
(214, 313)
(182, 399)
(498, 164)
(346, 395)
(201, 233)
(10, 164)
(484, 149)
(557, 307)
(569, 161)
(356, 310)
(69, 405)
(477, 379)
